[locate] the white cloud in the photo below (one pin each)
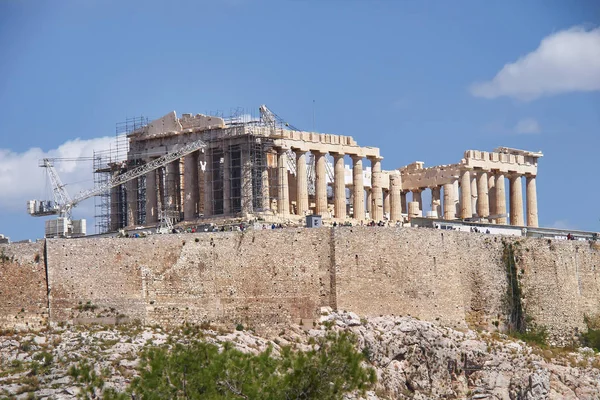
(21, 178)
(562, 224)
(527, 125)
(566, 61)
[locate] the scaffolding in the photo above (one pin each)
(106, 164)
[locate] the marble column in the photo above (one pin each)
(226, 181)
(339, 186)
(247, 200)
(483, 205)
(114, 208)
(266, 186)
(358, 190)
(449, 206)
(132, 202)
(531, 192)
(403, 201)
(173, 177)
(465, 194)
(492, 195)
(369, 201)
(151, 198)
(516, 201)
(208, 205)
(500, 198)
(320, 183)
(395, 198)
(473, 192)
(436, 201)
(283, 202)
(377, 193)
(416, 197)
(301, 183)
(386, 203)
(190, 186)
(456, 197)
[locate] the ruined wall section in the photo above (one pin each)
(453, 278)
(23, 291)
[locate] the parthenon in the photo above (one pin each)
(263, 169)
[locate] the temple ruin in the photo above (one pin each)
(265, 169)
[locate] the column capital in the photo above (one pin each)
(318, 152)
(336, 155)
(375, 158)
(530, 175)
(280, 149)
(356, 157)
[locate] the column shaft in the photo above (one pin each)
(376, 190)
(358, 191)
(516, 201)
(339, 188)
(283, 203)
(226, 181)
(320, 183)
(247, 201)
(474, 192)
(132, 202)
(190, 186)
(492, 195)
(465, 195)
(395, 198)
(369, 194)
(301, 183)
(151, 198)
(531, 192)
(449, 207)
(500, 199)
(403, 202)
(483, 205)
(386, 202)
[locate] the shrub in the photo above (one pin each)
(201, 371)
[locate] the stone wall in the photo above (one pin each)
(256, 278)
(23, 291)
(267, 278)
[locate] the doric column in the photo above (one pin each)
(492, 195)
(151, 198)
(266, 186)
(358, 190)
(456, 198)
(226, 181)
(473, 192)
(483, 205)
(386, 202)
(211, 171)
(283, 203)
(449, 206)
(190, 186)
(403, 201)
(132, 202)
(531, 192)
(395, 197)
(377, 193)
(301, 182)
(161, 173)
(320, 183)
(416, 197)
(500, 199)
(369, 201)
(172, 170)
(465, 194)
(247, 200)
(339, 186)
(436, 201)
(516, 201)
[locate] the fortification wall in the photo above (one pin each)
(23, 291)
(259, 277)
(266, 278)
(454, 278)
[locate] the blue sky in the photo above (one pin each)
(422, 80)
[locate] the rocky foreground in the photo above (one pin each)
(413, 359)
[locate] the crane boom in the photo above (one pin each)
(137, 172)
